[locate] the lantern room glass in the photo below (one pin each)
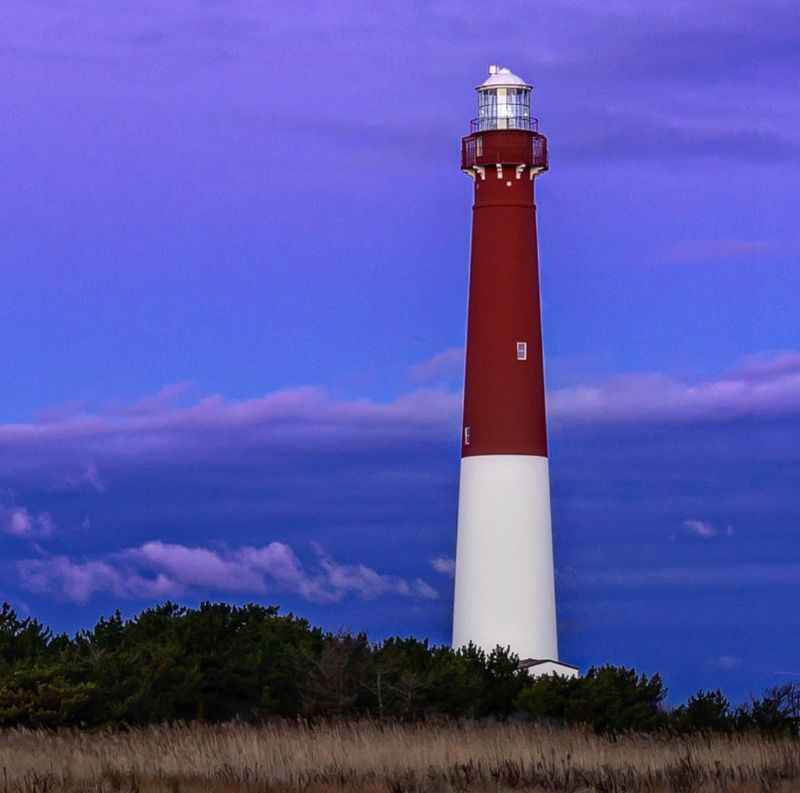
(504, 108)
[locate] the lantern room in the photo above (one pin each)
(504, 102)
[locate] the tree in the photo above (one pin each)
(502, 683)
(777, 712)
(336, 679)
(220, 662)
(546, 698)
(706, 711)
(610, 699)
(21, 640)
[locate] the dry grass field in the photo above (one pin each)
(367, 758)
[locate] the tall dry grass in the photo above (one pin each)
(367, 757)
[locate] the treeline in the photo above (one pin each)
(221, 662)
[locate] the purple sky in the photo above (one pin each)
(234, 242)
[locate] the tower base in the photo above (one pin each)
(504, 591)
(542, 667)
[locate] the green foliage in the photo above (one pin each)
(220, 662)
(777, 712)
(170, 663)
(21, 640)
(42, 696)
(706, 711)
(608, 698)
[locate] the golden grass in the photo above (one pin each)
(366, 757)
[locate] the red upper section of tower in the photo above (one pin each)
(504, 399)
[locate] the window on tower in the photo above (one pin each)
(517, 107)
(488, 108)
(522, 350)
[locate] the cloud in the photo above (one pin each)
(700, 528)
(79, 581)
(212, 430)
(19, 522)
(424, 590)
(768, 389)
(640, 136)
(716, 250)
(197, 567)
(443, 366)
(157, 569)
(298, 453)
(297, 421)
(368, 584)
(691, 56)
(444, 565)
(726, 662)
(768, 366)
(89, 476)
(156, 403)
(720, 577)
(60, 412)
(706, 530)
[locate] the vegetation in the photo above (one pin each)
(220, 663)
(375, 757)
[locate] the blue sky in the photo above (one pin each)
(234, 242)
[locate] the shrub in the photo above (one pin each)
(609, 699)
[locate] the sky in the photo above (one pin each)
(234, 242)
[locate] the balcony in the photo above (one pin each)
(504, 147)
(517, 121)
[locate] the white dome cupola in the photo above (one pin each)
(504, 101)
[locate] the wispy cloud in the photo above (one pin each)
(444, 565)
(720, 577)
(20, 522)
(726, 662)
(768, 366)
(692, 54)
(158, 402)
(769, 389)
(158, 569)
(88, 477)
(717, 250)
(77, 582)
(213, 430)
(444, 366)
(216, 429)
(706, 530)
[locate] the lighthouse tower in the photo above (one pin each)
(504, 589)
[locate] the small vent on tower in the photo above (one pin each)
(466, 436)
(522, 350)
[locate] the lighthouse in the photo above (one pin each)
(504, 587)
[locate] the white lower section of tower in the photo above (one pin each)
(505, 588)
